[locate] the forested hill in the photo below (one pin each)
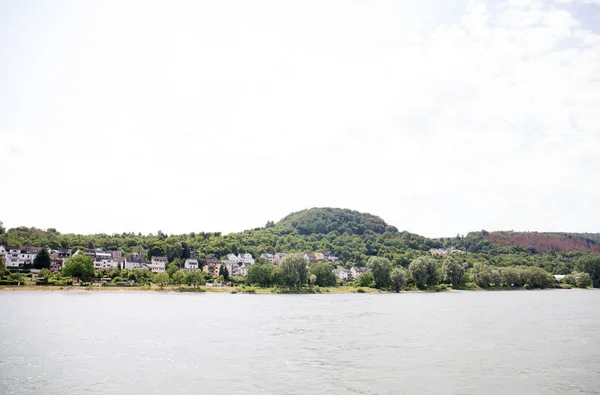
(326, 220)
(351, 235)
(532, 242)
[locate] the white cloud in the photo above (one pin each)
(221, 116)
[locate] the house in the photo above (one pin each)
(3, 252)
(211, 266)
(103, 260)
(158, 264)
(445, 251)
(278, 257)
(232, 257)
(357, 271)
(319, 256)
(58, 259)
(232, 267)
(268, 257)
(342, 274)
(135, 261)
(190, 265)
(310, 257)
(246, 258)
(243, 269)
(20, 256)
(332, 258)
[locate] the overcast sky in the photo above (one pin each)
(441, 117)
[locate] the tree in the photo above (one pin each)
(424, 271)
(294, 270)
(578, 279)
(590, 264)
(79, 265)
(365, 279)
(42, 259)
(260, 274)
(452, 271)
(172, 269)
(224, 272)
(161, 279)
(381, 269)
(323, 272)
(3, 270)
(178, 277)
(486, 276)
(398, 278)
(195, 278)
(45, 273)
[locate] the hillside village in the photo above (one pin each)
(235, 265)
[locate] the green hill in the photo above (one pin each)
(326, 220)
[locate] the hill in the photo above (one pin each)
(532, 242)
(326, 220)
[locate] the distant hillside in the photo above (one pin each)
(544, 242)
(326, 220)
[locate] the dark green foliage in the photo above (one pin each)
(590, 264)
(294, 270)
(42, 259)
(260, 274)
(424, 272)
(381, 269)
(398, 278)
(452, 271)
(366, 280)
(79, 265)
(324, 274)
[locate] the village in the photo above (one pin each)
(235, 265)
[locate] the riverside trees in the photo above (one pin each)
(294, 270)
(424, 271)
(79, 265)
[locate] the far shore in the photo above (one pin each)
(241, 290)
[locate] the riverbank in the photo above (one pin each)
(235, 290)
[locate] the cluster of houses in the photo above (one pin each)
(236, 265)
(446, 251)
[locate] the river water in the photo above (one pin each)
(521, 342)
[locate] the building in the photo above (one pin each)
(278, 257)
(58, 259)
(211, 266)
(190, 265)
(342, 274)
(135, 261)
(20, 256)
(319, 256)
(268, 257)
(158, 264)
(357, 271)
(310, 257)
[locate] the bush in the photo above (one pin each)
(578, 279)
(360, 291)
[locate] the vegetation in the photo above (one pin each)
(485, 260)
(42, 259)
(398, 278)
(381, 269)
(80, 265)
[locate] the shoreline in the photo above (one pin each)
(251, 291)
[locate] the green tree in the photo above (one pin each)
(161, 279)
(79, 265)
(195, 278)
(398, 277)
(178, 277)
(224, 272)
(294, 270)
(452, 271)
(42, 259)
(590, 264)
(260, 274)
(486, 276)
(45, 273)
(3, 270)
(366, 279)
(578, 279)
(324, 274)
(424, 271)
(381, 269)
(172, 269)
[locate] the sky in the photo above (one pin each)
(180, 116)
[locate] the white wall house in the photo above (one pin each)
(104, 260)
(190, 265)
(158, 264)
(20, 256)
(135, 261)
(342, 274)
(357, 271)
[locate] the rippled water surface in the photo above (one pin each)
(530, 342)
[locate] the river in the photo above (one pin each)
(519, 342)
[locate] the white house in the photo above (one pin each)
(158, 264)
(190, 265)
(104, 260)
(232, 257)
(342, 274)
(232, 266)
(136, 261)
(245, 258)
(357, 271)
(268, 257)
(20, 256)
(243, 269)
